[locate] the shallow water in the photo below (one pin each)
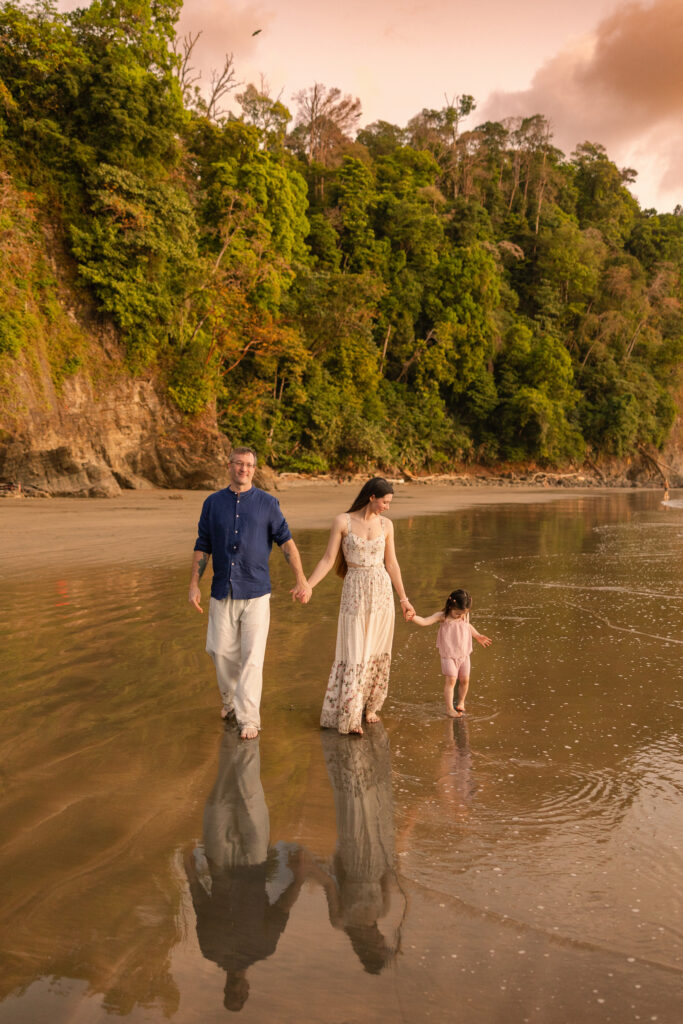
(521, 864)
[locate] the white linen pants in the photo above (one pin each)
(236, 640)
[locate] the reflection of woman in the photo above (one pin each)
(362, 891)
(242, 890)
(362, 543)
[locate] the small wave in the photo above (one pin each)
(598, 588)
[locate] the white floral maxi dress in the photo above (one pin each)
(360, 674)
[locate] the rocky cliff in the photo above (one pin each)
(73, 419)
(93, 440)
(90, 445)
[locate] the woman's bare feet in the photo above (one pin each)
(249, 732)
(371, 717)
(356, 732)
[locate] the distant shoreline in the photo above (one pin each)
(155, 527)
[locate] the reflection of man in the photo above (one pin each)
(237, 528)
(242, 891)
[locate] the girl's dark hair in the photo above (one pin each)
(378, 487)
(457, 600)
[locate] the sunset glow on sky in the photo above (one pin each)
(606, 71)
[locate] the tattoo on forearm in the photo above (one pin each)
(201, 565)
(287, 556)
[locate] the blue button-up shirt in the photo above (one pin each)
(238, 531)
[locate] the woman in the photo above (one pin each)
(362, 546)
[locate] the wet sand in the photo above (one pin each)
(153, 526)
(520, 865)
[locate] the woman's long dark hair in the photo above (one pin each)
(378, 487)
(457, 600)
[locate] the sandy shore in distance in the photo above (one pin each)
(156, 525)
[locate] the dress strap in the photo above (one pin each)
(383, 524)
(348, 523)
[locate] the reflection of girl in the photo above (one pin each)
(456, 784)
(363, 896)
(454, 641)
(362, 542)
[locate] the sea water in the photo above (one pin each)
(520, 864)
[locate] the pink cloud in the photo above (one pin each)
(621, 86)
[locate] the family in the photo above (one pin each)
(237, 528)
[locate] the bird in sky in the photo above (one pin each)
(257, 32)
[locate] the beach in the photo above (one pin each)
(519, 864)
(146, 526)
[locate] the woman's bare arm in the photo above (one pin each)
(327, 561)
(394, 570)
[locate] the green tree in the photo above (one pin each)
(602, 198)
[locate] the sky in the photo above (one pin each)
(607, 71)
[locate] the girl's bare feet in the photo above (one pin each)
(454, 712)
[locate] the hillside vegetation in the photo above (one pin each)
(397, 296)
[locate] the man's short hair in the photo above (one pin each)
(244, 451)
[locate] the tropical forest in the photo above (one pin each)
(339, 296)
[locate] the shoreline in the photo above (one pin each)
(155, 526)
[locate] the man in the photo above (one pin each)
(237, 528)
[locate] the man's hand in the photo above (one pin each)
(302, 592)
(199, 562)
(195, 596)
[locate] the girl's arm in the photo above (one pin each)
(430, 620)
(483, 640)
(392, 567)
(327, 561)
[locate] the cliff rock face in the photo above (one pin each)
(89, 445)
(74, 421)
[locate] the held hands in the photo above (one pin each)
(408, 611)
(302, 592)
(300, 862)
(195, 596)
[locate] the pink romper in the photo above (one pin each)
(454, 641)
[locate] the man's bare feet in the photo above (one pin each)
(249, 732)
(371, 717)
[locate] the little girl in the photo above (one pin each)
(454, 641)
